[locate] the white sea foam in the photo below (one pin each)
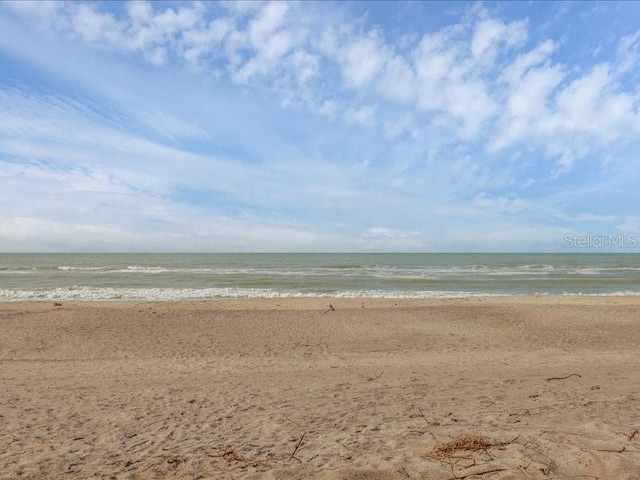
(173, 294)
(79, 269)
(373, 271)
(169, 294)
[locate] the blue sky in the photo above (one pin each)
(364, 126)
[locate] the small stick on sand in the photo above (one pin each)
(296, 449)
(610, 450)
(427, 421)
(564, 378)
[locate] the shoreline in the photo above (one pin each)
(279, 389)
(311, 303)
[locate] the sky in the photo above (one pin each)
(319, 126)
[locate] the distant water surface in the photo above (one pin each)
(393, 275)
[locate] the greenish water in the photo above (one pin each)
(394, 275)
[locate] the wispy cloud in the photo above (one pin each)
(213, 126)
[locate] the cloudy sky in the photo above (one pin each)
(308, 126)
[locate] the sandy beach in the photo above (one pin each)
(494, 388)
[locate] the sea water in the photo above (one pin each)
(174, 276)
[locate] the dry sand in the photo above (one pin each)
(543, 387)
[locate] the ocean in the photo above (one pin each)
(171, 276)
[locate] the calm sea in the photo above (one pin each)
(393, 275)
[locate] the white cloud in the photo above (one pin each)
(513, 73)
(305, 64)
(267, 40)
(387, 238)
(589, 112)
(449, 82)
(153, 34)
(500, 205)
(490, 33)
(361, 59)
(528, 99)
(629, 52)
(363, 116)
(590, 105)
(397, 80)
(201, 45)
(97, 28)
(566, 114)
